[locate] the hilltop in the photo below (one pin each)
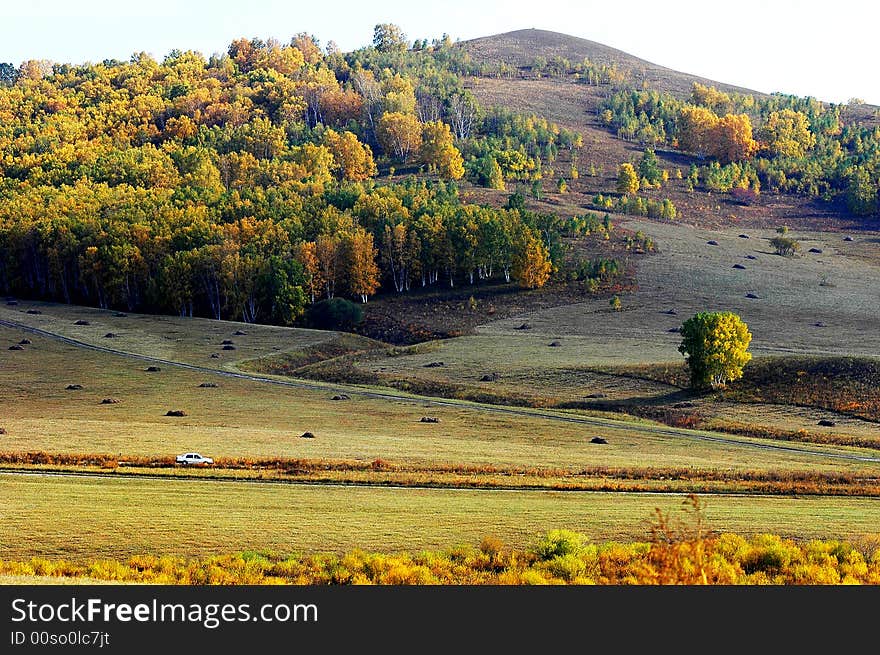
(520, 48)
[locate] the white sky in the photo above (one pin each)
(826, 48)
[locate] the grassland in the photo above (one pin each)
(79, 518)
(813, 310)
(245, 418)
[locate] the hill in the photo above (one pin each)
(521, 47)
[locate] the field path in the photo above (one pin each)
(829, 453)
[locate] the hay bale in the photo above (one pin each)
(674, 329)
(596, 395)
(120, 314)
(743, 236)
(208, 385)
(33, 311)
(341, 396)
(239, 333)
(490, 377)
(228, 346)
(110, 335)
(598, 440)
(110, 401)
(12, 303)
(434, 365)
(826, 423)
(152, 369)
(818, 251)
(751, 295)
(712, 243)
(307, 435)
(524, 326)
(74, 387)
(175, 412)
(24, 342)
(750, 257)
(215, 355)
(226, 342)
(848, 239)
(819, 324)
(16, 347)
(671, 312)
(429, 419)
(2, 431)
(739, 266)
(81, 322)
(554, 344)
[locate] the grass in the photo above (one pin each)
(380, 472)
(189, 340)
(81, 519)
(242, 418)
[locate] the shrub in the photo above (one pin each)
(785, 246)
(559, 543)
(335, 314)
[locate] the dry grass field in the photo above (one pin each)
(243, 418)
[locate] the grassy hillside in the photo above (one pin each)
(520, 48)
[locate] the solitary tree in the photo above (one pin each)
(715, 345)
(627, 179)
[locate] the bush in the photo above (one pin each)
(559, 543)
(785, 246)
(335, 314)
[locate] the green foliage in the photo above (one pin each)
(516, 201)
(785, 246)
(637, 206)
(715, 345)
(559, 543)
(805, 146)
(649, 167)
(335, 314)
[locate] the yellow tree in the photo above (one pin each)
(327, 252)
(716, 347)
(339, 106)
(695, 126)
(531, 262)
(353, 159)
(400, 135)
(439, 151)
(627, 178)
(731, 139)
(363, 272)
(305, 255)
(787, 133)
(399, 95)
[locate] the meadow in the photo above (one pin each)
(79, 518)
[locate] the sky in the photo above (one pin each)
(822, 49)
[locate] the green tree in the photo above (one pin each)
(715, 345)
(649, 167)
(861, 193)
(495, 176)
(627, 179)
(388, 37)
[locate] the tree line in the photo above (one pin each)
(779, 142)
